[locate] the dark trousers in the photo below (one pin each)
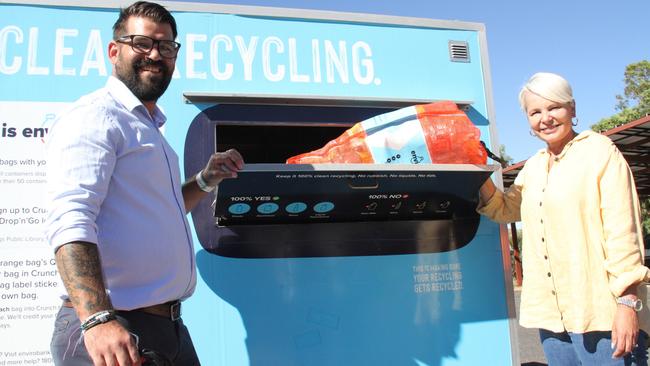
(156, 335)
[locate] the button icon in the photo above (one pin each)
(323, 207)
(239, 208)
(267, 208)
(296, 207)
(371, 206)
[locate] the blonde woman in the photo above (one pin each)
(582, 240)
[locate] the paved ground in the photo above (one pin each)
(530, 350)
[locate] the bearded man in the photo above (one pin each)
(117, 208)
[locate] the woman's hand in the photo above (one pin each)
(624, 330)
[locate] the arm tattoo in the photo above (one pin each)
(80, 269)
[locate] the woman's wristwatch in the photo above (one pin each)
(634, 304)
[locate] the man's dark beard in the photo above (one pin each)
(145, 91)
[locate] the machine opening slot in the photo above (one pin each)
(271, 143)
(271, 133)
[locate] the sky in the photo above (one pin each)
(589, 42)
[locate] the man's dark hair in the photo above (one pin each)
(143, 9)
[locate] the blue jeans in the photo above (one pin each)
(591, 348)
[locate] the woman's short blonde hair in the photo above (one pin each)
(548, 86)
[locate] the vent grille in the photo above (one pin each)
(458, 51)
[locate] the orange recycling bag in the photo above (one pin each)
(436, 133)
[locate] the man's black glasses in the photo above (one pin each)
(144, 44)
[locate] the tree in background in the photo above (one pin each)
(632, 105)
(504, 156)
(635, 101)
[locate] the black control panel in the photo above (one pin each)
(284, 194)
(281, 211)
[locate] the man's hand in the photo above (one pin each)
(222, 165)
(624, 331)
(110, 344)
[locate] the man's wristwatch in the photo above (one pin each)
(203, 185)
(634, 304)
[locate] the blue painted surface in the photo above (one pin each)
(298, 311)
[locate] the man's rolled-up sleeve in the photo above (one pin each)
(80, 160)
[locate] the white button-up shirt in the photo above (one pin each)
(114, 180)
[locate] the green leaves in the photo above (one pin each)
(635, 103)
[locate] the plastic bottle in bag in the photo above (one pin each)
(436, 133)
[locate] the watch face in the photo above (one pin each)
(634, 304)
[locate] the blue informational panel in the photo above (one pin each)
(413, 308)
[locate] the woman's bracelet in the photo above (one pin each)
(99, 317)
